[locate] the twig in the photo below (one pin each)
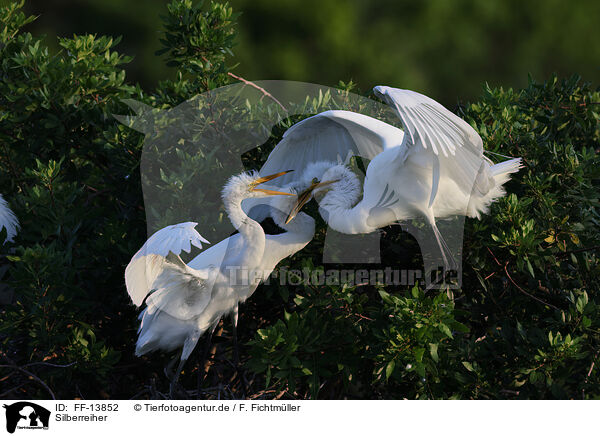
(524, 291)
(53, 365)
(4, 394)
(6, 377)
(490, 275)
(254, 85)
(496, 260)
(262, 393)
(280, 394)
(589, 373)
(591, 368)
(584, 104)
(514, 283)
(363, 317)
(33, 376)
(580, 250)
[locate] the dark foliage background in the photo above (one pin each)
(441, 48)
(525, 324)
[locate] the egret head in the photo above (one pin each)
(345, 181)
(246, 185)
(320, 178)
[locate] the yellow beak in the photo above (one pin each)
(304, 197)
(266, 179)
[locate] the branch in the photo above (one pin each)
(580, 250)
(16, 388)
(53, 365)
(589, 373)
(514, 283)
(32, 376)
(524, 291)
(254, 85)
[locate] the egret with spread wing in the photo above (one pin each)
(434, 168)
(184, 301)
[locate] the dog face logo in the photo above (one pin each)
(26, 415)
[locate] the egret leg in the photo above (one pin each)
(447, 257)
(188, 347)
(202, 363)
(236, 351)
(169, 373)
(173, 384)
(234, 320)
(449, 261)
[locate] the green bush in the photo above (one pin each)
(526, 323)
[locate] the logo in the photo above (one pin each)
(26, 415)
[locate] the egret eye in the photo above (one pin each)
(315, 180)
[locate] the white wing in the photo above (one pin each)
(331, 136)
(215, 255)
(335, 136)
(431, 128)
(430, 124)
(8, 220)
(175, 239)
(149, 261)
(179, 290)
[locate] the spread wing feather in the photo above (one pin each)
(331, 136)
(179, 290)
(454, 147)
(335, 136)
(150, 260)
(429, 123)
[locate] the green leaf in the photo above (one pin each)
(389, 369)
(433, 350)
(415, 292)
(468, 366)
(419, 352)
(306, 371)
(586, 322)
(530, 268)
(446, 330)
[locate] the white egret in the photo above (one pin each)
(435, 168)
(184, 301)
(8, 220)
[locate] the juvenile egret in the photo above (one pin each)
(184, 301)
(8, 220)
(435, 168)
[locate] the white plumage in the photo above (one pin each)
(8, 220)
(147, 263)
(184, 301)
(435, 168)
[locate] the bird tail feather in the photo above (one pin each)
(488, 185)
(501, 171)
